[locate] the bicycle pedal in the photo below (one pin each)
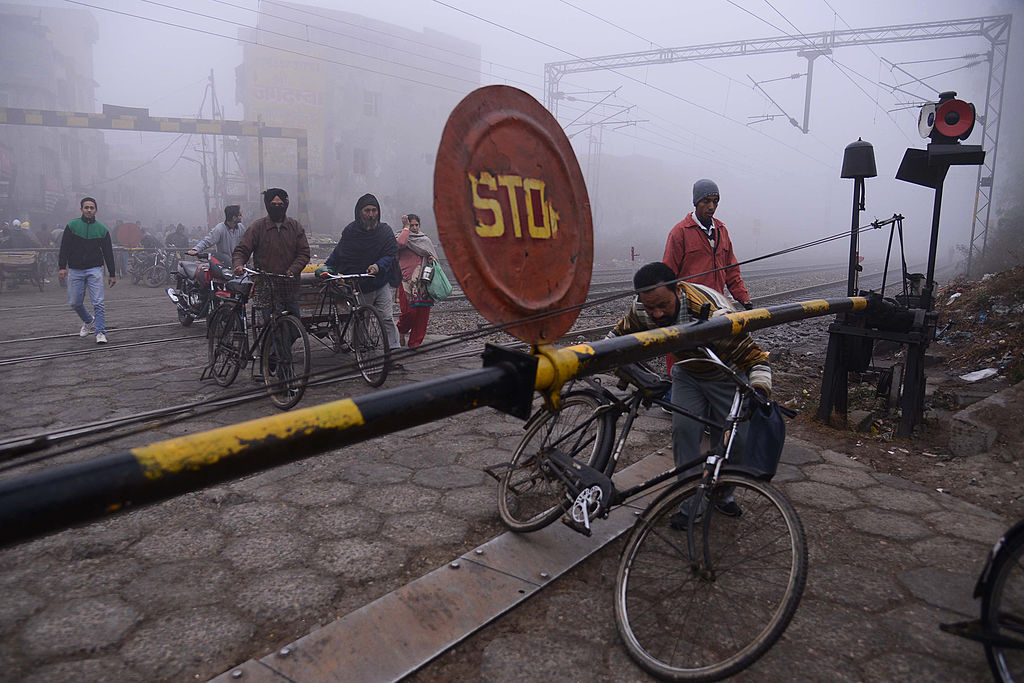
(578, 527)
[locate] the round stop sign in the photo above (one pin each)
(513, 213)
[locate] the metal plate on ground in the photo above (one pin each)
(396, 634)
(513, 213)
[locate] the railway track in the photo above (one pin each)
(452, 316)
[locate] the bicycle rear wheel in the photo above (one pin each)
(705, 615)
(530, 495)
(227, 344)
(1002, 612)
(370, 344)
(155, 276)
(286, 361)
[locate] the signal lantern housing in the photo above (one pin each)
(947, 121)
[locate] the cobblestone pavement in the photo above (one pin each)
(187, 588)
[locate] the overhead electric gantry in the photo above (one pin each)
(810, 46)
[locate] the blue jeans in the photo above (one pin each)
(78, 282)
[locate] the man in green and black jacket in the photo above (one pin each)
(84, 248)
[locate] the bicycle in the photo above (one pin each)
(280, 345)
(1001, 626)
(674, 585)
(349, 324)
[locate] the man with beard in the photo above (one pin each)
(278, 245)
(369, 246)
(84, 248)
(699, 389)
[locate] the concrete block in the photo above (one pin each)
(975, 429)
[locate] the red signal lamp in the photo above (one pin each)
(947, 121)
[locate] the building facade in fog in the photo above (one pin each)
(46, 63)
(373, 97)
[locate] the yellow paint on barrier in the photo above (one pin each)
(197, 451)
(556, 365)
(78, 121)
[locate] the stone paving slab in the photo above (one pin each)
(185, 589)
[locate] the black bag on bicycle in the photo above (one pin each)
(766, 435)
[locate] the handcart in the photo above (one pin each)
(20, 267)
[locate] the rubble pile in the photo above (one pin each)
(982, 322)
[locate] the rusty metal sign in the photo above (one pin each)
(513, 213)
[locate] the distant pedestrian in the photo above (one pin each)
(700, 243)
(225, 235)
(84, 248)
(416, 258)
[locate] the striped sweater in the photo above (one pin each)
(740, 352)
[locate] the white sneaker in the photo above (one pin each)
(87, 329)
(101, 338)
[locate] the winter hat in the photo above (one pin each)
(702, 188)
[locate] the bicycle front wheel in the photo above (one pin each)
(155, 276)
(227, 345)
(1002, 612)
(370, 344)
(704, 602)
(286, 361)
(530, 495)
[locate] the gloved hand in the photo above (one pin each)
(748, 305)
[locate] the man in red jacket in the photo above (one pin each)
(700, 243)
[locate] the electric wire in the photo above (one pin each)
(364, 28)
(308, 41)
(239, 39)
(842, 67)
(636, 80)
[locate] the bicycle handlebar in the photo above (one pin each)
(263, 273)
(345, 276)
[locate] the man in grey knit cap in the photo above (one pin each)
(700, 243)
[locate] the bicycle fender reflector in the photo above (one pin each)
(513, 213)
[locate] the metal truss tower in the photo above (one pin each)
(995, 29)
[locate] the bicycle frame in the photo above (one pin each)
(580, 479)
(329, 314)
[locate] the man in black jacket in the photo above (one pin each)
(369, 246)
(84, 248)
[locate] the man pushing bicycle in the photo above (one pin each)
(661, 301)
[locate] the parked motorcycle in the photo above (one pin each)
(197, 283)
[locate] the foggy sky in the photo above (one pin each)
(692, 117)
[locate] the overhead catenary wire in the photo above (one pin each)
(239, 39)
(635, 80)
(842, 67)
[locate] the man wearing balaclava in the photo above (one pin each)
(369, 246)
(278, 245)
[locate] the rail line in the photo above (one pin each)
(440, 310)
